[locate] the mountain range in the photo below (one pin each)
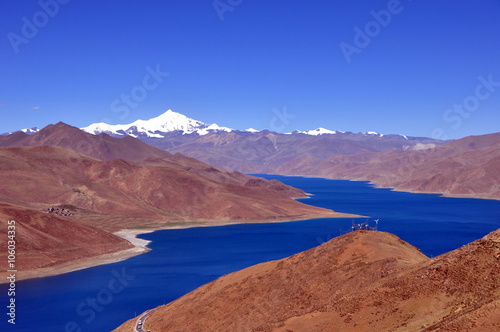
(465, 167)
(193, 174)
(105, 184)
(253, 151)
(173, 123)
(468, 167)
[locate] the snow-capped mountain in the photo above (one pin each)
(30, 131)
(157, 127)
(175, 123)
(251, 130)
(371, 133)
(319, 131)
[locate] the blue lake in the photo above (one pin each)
(101, 298)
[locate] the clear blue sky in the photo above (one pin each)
(263, 57)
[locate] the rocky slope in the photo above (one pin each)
(361, 281)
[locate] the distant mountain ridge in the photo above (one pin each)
(464, 167)
(467, 167)
(251, 150)
(28, 131)
(172, 122)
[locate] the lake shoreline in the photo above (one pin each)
(140, 246)
(485, 196)
(188, 256)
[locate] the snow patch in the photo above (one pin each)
(30, 131)
(319, 131)
(372, 133)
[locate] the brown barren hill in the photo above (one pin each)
(361, 281)
(43, 241)
(45, 176)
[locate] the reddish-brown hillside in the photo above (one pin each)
(45, 240)
(361, 281)
(165, 190)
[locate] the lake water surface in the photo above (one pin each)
(101, 298)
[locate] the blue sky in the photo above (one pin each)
(421, 67)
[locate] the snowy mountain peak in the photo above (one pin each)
(30, 131)
(171, 120)
(372, 133)
(157, 127)
(319, 131)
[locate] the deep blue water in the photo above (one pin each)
(182, 260)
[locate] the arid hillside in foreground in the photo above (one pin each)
(361, 281)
